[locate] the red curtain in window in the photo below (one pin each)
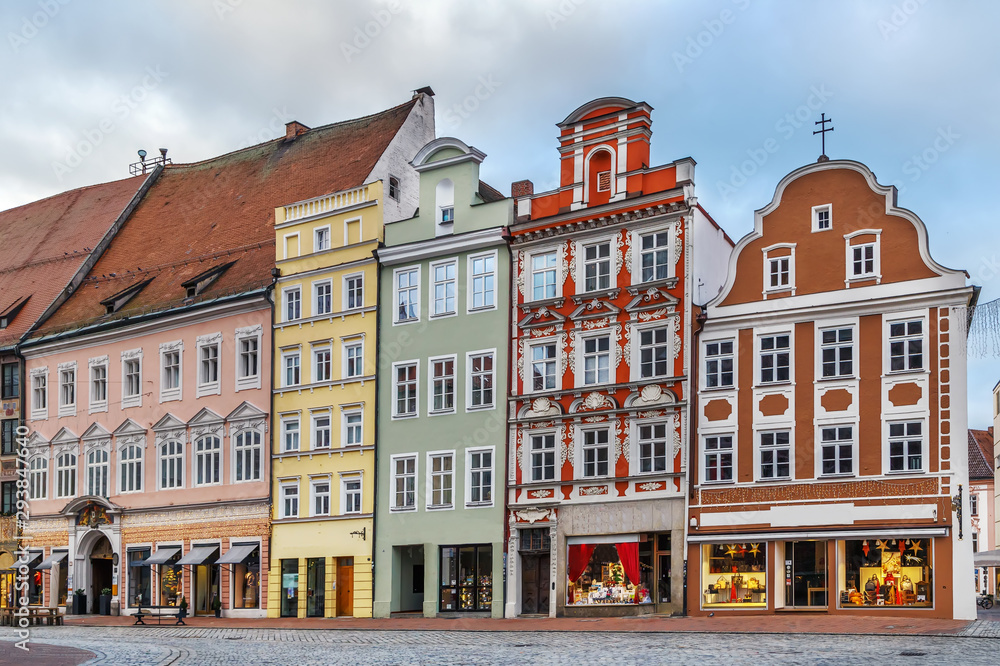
(579, 558)
(628, 553)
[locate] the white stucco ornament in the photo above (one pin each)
(541, 405)
(651, 393)
(595, 401)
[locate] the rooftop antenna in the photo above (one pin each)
(823, 120)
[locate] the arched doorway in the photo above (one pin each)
(100, 569)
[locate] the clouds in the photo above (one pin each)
(236, 70)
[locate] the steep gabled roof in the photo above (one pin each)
(980, 454)
(200, 215)
(44, 243)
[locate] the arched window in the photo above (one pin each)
(208, 460)
(444, 202)
(600, 176)
(171, 464)
(97, 472)
(130, 477)
(38, 478)
(247, 449)
(66, 475)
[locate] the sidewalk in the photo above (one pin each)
(778, 624)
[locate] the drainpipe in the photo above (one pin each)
(269, 297)
(375, 441)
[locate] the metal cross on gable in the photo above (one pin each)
(823, 120)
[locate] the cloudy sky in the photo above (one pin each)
(912, 87)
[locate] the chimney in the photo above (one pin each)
(294, 129)
(521, 188)
(990, 430)
(426, 90)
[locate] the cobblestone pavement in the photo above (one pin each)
(207, 646)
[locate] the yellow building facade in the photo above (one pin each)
(323, 452)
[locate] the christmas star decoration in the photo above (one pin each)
(881, 545)
(916, 547)
(755, 549)
(865, 548)
(902, 546)
(731, 550)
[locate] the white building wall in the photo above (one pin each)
(416, 132)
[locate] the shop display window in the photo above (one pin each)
(289, 588)
(466, 578)
(140, 588)
(609, 573)
(247, 581)
(315, 587)
(62, 582)
(886, 572)
(170, 582)
(734, 575)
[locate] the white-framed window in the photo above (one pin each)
(973, 504)
(39, 394)
(322, 297)
(404, 482)
(292, 298)
(65, 475)
(480, 368)
(442, 393)
(321, 238)
(322, 364)
(975, 537)
(38, 478)
(98, 384)
(863, 260)
(406, 284)
(596, 360)
(354, 291)
(652, 442)
(393, 192)
(208, 460)
(291, 242)
(320, 490)
(130, 469)
(482, 281)
(131, 379)
(447, 214)
(775, 358)
(906, 446)
(719, 364)
(405, 403)
(441, 479)
(479, 478)
(248, 453)
(290, 433)
(67, 390)
(290, 362)
(597, 266)
(170, 371)
(595, 452)
(906, 345)
(718, 458)
(171, 464)
(654, 256)
(444, 278)
(289, 499)
(352, 231)
(543, 366)
(837, 352)
(208, 368)
(350, 490)
(775, 454)
(247, 360)
(353, 424)
(543, 456)
(822, 217)
(543, 275)
(655, 351)
(97, 472)
(321, 430)
(836, 450)
(779, 272)
(354, 359)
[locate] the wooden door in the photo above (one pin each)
(535, 584)
(345, 586)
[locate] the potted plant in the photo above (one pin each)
(79, 602)
(105, 601)
(184, 608)
(217, 606)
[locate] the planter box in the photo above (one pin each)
(79, 604)
(105, 604)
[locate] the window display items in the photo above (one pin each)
(893, 573)
(734, 575)
(607, 574)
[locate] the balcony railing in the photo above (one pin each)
(326, 204)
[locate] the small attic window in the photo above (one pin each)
(7, 316)
(117, 302)
(604, 181)
(200, 282)
(394, 188)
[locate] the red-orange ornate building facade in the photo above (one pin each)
(831, 417)
(601, 322)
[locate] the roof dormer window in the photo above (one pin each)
(200, 282)
(7, 316)
(116, 302)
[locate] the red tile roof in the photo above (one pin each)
(202, 215)
(44, 243)
(980, 454)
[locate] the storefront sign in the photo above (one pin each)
(788, 572)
